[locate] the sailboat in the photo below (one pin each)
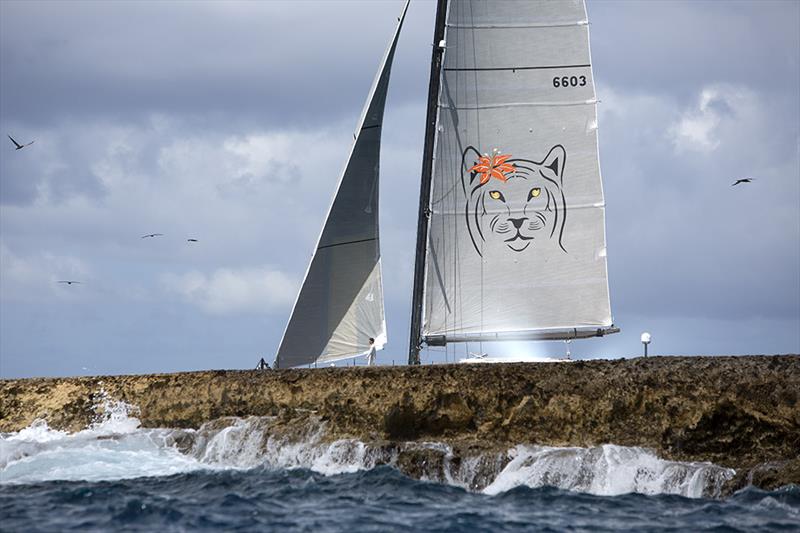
(511, 225)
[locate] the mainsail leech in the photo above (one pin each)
(340, 304)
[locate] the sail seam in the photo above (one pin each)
(519, 104)
(347, 242)
(370, 127)
(521, 26)
(544, 67)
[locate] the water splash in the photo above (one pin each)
(115, 447)
(264, 441)
(112, 447)
(608, 470)
(113, 416)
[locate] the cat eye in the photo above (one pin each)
(536, 191)
(497, 195)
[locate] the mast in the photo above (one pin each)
(425, 184)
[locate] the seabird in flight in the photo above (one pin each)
(152, 235)
(742, 180)
(20, 146)
(191, 240)
(68, 281)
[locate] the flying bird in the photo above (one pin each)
(152, 235)
(742, 180)
(68, 281)
(191, 240)
(20, 146)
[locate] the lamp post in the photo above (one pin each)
(645, 341)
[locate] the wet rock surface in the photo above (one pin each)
(738, 412)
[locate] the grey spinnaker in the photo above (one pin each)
(340, 304)
(516, 239)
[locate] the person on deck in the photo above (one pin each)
(371, 353)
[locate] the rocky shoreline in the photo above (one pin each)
(737, 412)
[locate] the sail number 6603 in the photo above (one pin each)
(569, 81)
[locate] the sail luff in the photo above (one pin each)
(345, 265)
(417, 295)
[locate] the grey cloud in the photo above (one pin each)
(155, 117)
(253, 63)
(18, 186)
(45, 173)
(682, 242)
(676, 46)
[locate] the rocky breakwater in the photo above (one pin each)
(737, 412)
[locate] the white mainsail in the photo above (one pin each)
(516, 243)
(340, 305)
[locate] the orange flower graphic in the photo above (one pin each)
(493, 166)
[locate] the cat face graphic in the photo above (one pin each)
(518, 203)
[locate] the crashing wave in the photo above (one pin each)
(115, 447)
(608, 470)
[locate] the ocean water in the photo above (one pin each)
(248, 474)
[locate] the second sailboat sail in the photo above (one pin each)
(516, 243)
(340, 304)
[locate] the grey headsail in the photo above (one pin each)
(340, 304)
(515, 246)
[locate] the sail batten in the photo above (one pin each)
(513, 68)
(340, 307)
(516, 235)
(509, 25)
(518, 104)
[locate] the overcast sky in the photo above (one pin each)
(230, 123)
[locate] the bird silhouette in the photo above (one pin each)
(68, 281)
(20, 146)
(192, 240)
(152, 235)
(742, 180)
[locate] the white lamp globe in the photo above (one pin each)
(646, 338)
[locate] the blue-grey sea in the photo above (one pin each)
(242, 475)
(380, 499)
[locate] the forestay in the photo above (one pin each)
(340, 304)
(516, 242)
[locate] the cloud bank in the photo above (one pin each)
(224, 123)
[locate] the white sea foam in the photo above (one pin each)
(111, 448)
(115, 447)
(608, 470)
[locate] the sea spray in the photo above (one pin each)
(608, 470)
(113, 416)
(110, 417)
(601, 470)
(114, 447)
(27, 442)
(271, 442)
(303, 443)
